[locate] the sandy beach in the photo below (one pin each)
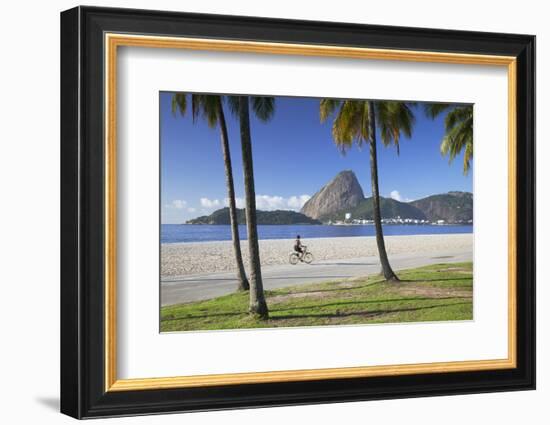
(184, 259)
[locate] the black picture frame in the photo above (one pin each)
(82, 218)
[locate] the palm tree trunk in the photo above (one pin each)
(386, 268)
(258, 305)
(241, 274)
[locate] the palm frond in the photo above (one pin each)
(233, 103)
(210, 109)
(196, 106)
(263, 107)
(394, 119)
(346, 127)
(459, 135)
(179, 103)
(365, 120)
(203, 106)
(327, 108)
(468, 154)
(456, 115)
(432, 110)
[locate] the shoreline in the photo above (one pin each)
(189, 258)
(322, 238)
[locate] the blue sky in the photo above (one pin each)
(294, 156)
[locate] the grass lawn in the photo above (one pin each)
(432, 293)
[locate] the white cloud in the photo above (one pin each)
(267, 202)
(210, 203)
(238, 201)
(191, 209)
(177, 204)
(394, 194)
(270, 203)
(263, 202)
(297, 202)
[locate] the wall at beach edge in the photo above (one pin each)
(29, 171)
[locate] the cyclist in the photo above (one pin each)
(299, 247)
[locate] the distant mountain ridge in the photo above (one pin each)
(280, 217)
(453, 207)
(343, 195)
(389, 208)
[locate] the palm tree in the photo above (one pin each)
(210, 107)
(459, 130)
(356, 122)
(263, 108)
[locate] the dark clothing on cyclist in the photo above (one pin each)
(298, 246)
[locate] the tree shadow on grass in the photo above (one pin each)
(170, 318)
(446, 279)
(349, 288)
(365, 314)
(460, 286)
(302, 277)
(350, 303)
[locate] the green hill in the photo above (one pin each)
(389, 208)
(221, 216)
(453, 207)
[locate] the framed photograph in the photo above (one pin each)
(261, 212)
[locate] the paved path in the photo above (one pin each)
(206, 286)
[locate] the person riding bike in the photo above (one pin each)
(299, 247)
(300, 253)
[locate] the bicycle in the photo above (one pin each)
(305, 256)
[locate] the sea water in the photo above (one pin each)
(177, 233)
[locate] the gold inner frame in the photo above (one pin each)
(113, 41)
